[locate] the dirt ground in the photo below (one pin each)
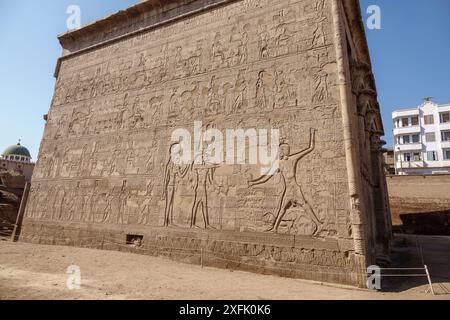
(29, 271)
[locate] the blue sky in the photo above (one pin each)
(410, 57)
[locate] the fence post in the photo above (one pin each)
(429, 279)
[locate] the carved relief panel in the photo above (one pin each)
(105, 156)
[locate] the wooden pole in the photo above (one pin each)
(23, 204)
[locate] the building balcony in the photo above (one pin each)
(407, 130)
(409, 147)
(444, 126)
(410, 164)
(438, 164)
(405, 113)
(445, 144)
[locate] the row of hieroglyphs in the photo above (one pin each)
(263, 91)
(199, 195)
(221, 49)
(137, 152)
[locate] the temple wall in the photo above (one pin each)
(104, 171)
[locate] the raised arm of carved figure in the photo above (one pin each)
(312, 146)
(212, 180)
(260, 180)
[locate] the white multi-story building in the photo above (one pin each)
(422, 139)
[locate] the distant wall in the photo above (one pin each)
(15, 166)
(419, 194)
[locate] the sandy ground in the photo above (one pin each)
(30, 271)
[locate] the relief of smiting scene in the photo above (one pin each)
(105, 156)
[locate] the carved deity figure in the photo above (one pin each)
(243, 45)
(284, 92)
(263, 41)
(123, 204)
(174, 172)
(213, 101)
(180, 63)
(282, 35)
(218, 54)
(262, 89)
(136, 119)
(240, 88)
(194, 61)
(318, 34)
(238, 45)
(321, 92)
(147, 205)
(292, 194)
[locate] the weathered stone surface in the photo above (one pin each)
(12, 185)
(424, 210)
(125, 83)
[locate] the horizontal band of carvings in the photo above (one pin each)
(268, 239)
(195, 76)
(71, 36)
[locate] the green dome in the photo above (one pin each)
(16, 150)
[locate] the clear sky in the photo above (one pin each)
(410, 56)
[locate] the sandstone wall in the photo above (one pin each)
(104, 171)
(426, 195)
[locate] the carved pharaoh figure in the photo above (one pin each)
(292, 194)
(203, 176)
(240, 88)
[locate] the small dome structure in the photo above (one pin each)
(17, 152)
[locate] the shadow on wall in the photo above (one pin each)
(426, 223)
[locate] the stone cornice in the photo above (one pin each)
(139, 18)
(142, 17)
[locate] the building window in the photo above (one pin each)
(415, 138)
(407, 157)
(445, 117)
(430, 136)
(447, 154)
(429, 119)
(417, 156)
(432, 156)
(445, 135)
(406, 139)
(415, 121)
(405, 122)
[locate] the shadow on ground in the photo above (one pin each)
(415, 251)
